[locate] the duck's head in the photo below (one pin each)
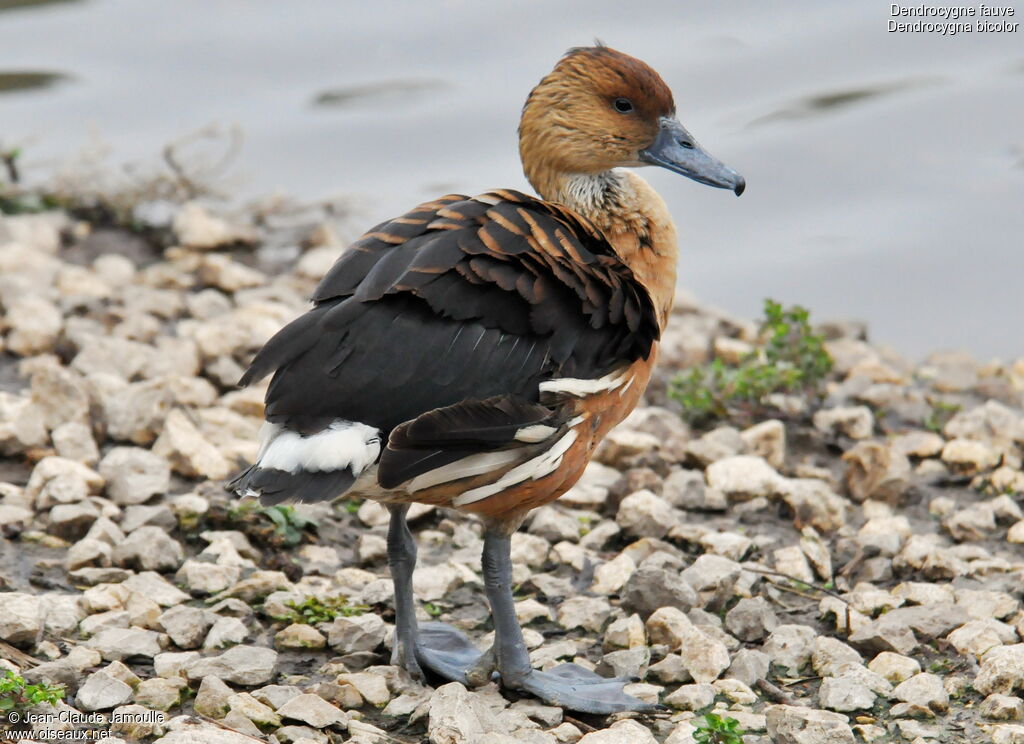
(601, 109)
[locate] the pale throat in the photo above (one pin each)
(634, 219)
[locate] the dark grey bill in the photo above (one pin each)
(679, 152)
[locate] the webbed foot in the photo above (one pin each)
(446, 651)
(577, 688)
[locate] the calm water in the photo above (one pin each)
(885, 171)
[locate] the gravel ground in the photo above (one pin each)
(844, 574)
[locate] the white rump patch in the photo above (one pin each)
(580, 387)
(343, 444)
(535, 433)
(544, 464)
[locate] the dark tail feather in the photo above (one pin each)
(291, 341)
(277, 486)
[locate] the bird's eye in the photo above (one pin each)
(623, 105)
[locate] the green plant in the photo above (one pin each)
(288, 523)
(718, 730)
(9, 159)
(15, 694)
(940, 415)
(312, 610)
(352, 506)
(432, 609)
(791, 359)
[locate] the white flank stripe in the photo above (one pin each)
(538, 467)
(580, 387)
(535, 433)
(343, 444)
(464, 468)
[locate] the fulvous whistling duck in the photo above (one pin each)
(473, 352)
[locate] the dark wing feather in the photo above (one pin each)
(445, 435)
(461, 299)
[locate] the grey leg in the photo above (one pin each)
(511, 656)
(568, 685)
(402, 562)
(436, 646)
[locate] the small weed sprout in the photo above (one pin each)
(288, 523)
(792, 359)
(717, 730)
(313, 611)
(17, 695)
(942, 411)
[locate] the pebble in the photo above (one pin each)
(894, 667)
(691, 697)
(188, 451)
(797, 724)
(610, 577)
(554, 525)
(828, 655)
(744, 477)
(372, 687)
(968, 457)
(459, 717)
(923, 690)
(348, 635)
(589, 613)
(101, 691)
(134, 475)
(644, 514)
(717, 444)
(977, 637)
(768, 440)
(628, 664)
(186, 626)
(751, 619)
(73, 440)
(1001, 670)
(156, 587)
(197, 228)
(212, 697)
(845, 694)
(115, 644)
(621, 732)
(312, 710)
(650, 588)
(998, 707)
(244, 704)
(713, 578)
(855, 422)
(703, 657)
(876, 471)
(299, 636)
(242, 665)
(21, 617)
(226, 631)
(149, 548)
(276, 695)
(159, 693)
(790, 646)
